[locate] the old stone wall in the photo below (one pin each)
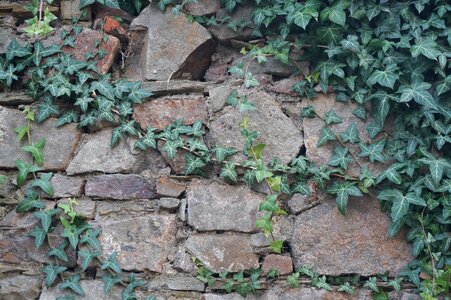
(157, 219)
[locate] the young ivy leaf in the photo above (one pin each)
(147, 141)
(193, 164)
(321, 283)
(232, 99)
(88, 255)
(46, 218)
(90, 238)
(343, 190)
(23, 170)
(265, 224)
(373, 151)
(109, 281)
(59, 252)
(351, 134)
(228, 172)
(52, 272)
(73, 284)
(111, 263)
(222, 153)
(301, 186)
(276, 246)
(36, 151)
(44, 183)
(39, 235)
(46, 109)
(330, 117)
(16, 50)
(326, 135)
(340, 158)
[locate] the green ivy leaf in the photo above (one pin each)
(46, 109)
(222, 153)
(147, 141)
(46, 218)
(386, 77)
(109, 281)
(418, 91)
(425, 46)
(39, 235)
(301, 186)
(67, 118)
(111, 263)
(360, 112)
(262, 172)
(137, 94)
(340, 158)
(373, 151)
(265, 224)
(88, 255)
(52, 272)
(16, 50)
(343, 190)
(326, 135)
(321, 283)
(331, 117)
(36, 151)
(73, 284)
(104, 88)
(193, 164)
(371, 284)
(351, 134)
(59, 252)
(228, 172)
(276, 246)
(90, 238)
(23, 170)
(436, 167)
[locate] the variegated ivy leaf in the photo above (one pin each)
(193, 164)
(330, 117)
(73, 284)
(340, 158)
(343, 190)
(228, 172)
(351, 134)
(373, 151)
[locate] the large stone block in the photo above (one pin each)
(166, 46)
(223, 252)
(356, 243)
(121, 187)
(215, 206)
(59, 147)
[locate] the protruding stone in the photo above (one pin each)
(161, 112)
(96, 155)
(282, 263)
(223, 252)
(66, 186)
(154, 33)
(169, 187)
(282, 138)
(214, 206)
(19, 287)
(182, 262)
(334, 244)
(120, 186)
(169, 203)
(203, 7)
(142, 242)
(59, 147)
(113, 27)
(86, 42)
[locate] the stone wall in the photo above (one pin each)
(156, 218)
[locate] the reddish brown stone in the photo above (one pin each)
(178, 163)
(120, 186)
(161, 112)
(86, 42)
(279, 262)
(114, 28)
(284, 86)
(168, 187)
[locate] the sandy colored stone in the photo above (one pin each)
(223, 252)
(169, 187)
(356, 243)
(217, 206)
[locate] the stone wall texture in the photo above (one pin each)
(159, 221)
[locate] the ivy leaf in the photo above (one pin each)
(104, 88)
(326, 135)
(111, 263)
(300, 16)
(8, 75)
(59, 252)
(193, 163)
(360, 112)
(52, 272)
(246, 105)
(170, 148)
(90, 238)
(137, 94)
(16, 50)
(73, 284)
(418, 91)
(336, 14)
(147, 141)
(330, 117)
(88, 255)
(436, 167)
(83, 102)
(23, 170)
(39, 235)
(373, 151)
(111, 3)
(302, 187)
(371, 284)
(265, 224)
(351, 134)
(343, 190)
(321, 283)
(84, 3)
(385, 77)
(391, 174)
(228, 172)
(109, 281)
(346, 288)
(196, 144)
(68, 117)
(222, 153)
(340, 158)
(53, 49)
(425, 46)
(262, 172)
(45, 110)
(71, 233)
(46, 218)
(351, 43)
(276, 246)
(36, 151)
(269, 204)
(29, 202)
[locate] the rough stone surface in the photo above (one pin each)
(215, 206)
(114, 28)
(59, 147)
(271, 66)
(169, 187)
(305, 293)
(299, 202)
(232, 296)
(282, 138)
(120, 186)
(161, 112)
(173, 46)
(93, 290)
(142, 243)
(182, 262)
(176, 283)
(120, 208)
(173, 87)
(333, 244)
(19, 287)
(85, 42)
(66, 186)
(223, 252)
(284, 86)
(15, 98)
(85, 207)
(279, 262)
(178, 163)
(218, 96)
(203, 7)
(312, 130)
(224, 34)
(96, 155)
(169, 203)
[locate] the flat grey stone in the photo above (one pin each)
(120, 186)
(176, 283)
(169, 203)
(215, 206)
(142, 242)
(223, 252)
(19, 287)
(96, 155)
(66, 186)
(281, 136)
(93, 290)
